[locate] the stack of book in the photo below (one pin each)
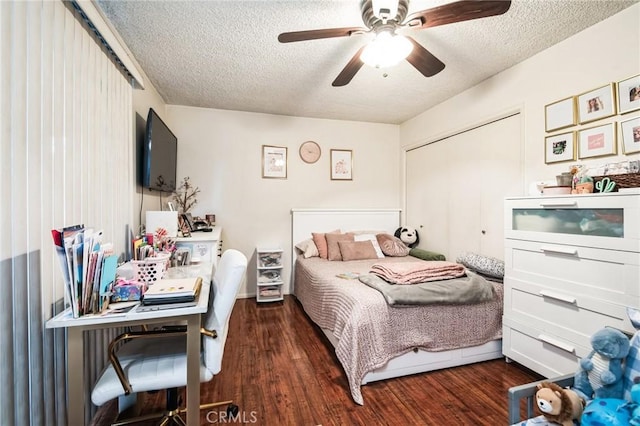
(172, 290)
(88, 268)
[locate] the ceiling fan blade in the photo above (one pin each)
(349, 70)
(459, 11)
(318, 34)
(423, 60)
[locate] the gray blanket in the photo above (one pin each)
(470, 289)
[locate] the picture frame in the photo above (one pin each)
(596, 104)
(597, 141)
(560, 114)
(630, 135)
(274, 162)
(341, 162)
(560, 147)
(628, 91)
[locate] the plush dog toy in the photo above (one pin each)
(600, 374)
(409, 236)
(558, 405)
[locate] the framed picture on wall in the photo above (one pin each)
(560, 114)
(630, 135)
(596, 104)
(629, 94)
(597, 141)
(558, 148)
(341, 164)
(274, 162)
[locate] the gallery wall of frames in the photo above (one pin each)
(577, 127)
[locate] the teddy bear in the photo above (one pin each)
(407, 235)
(558, 405)
(600, 373)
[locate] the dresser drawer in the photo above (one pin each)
(611, 276)
(574, 318)
(542, 352)
(608, 221)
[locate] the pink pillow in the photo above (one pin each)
(392, 246)
(333, 248)
(357, 250)
(321, 242)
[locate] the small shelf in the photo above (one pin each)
(269, 280)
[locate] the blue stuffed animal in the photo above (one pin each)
(600, 374)
(635, 403)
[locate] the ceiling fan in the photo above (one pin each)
(384, 18)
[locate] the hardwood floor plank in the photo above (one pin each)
(280, 369)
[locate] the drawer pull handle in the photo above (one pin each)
(560, 250)
(558, 344)
(557, 296)
(559, 204)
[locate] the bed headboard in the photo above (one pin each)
(306, 221)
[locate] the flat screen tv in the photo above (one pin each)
(160, 155)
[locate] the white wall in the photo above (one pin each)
(221, 152)
(606, 52)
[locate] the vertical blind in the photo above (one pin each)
(66, 157)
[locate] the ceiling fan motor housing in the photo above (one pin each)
(371, 20)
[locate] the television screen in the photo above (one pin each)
(160, 155)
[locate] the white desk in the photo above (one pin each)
(77, 394)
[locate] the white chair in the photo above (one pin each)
(155, 360)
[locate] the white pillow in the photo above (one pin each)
(374, 241)
(308, 248)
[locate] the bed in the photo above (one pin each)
(375, 341)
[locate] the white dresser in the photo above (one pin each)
(572, 266)
(203, 246)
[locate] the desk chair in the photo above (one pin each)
(155, 360)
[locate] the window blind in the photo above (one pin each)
(66, 157)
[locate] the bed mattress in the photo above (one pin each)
(369, 332)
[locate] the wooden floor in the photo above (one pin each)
(281, 370)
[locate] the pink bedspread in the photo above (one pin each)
(369, 332)
(417, 271)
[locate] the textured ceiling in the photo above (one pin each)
(225, 54)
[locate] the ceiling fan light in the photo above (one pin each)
(386, 50)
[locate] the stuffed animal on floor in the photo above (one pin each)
(558, 405)
(409, 236)
(600, 374)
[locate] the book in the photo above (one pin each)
(171, 290)
(348, 275)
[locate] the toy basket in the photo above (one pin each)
(151, 269)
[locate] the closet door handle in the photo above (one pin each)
(550, 204)
(557, 296)
(557, 343)
(560, 250)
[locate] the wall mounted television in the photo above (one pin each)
(160, 155)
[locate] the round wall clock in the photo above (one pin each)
(310, 152)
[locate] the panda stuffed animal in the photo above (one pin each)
(409, 236)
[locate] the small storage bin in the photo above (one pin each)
(151, 269)
(270, 259)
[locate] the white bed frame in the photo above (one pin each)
(306, 221)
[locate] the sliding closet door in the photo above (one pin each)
(427, 205)
(456, 187)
